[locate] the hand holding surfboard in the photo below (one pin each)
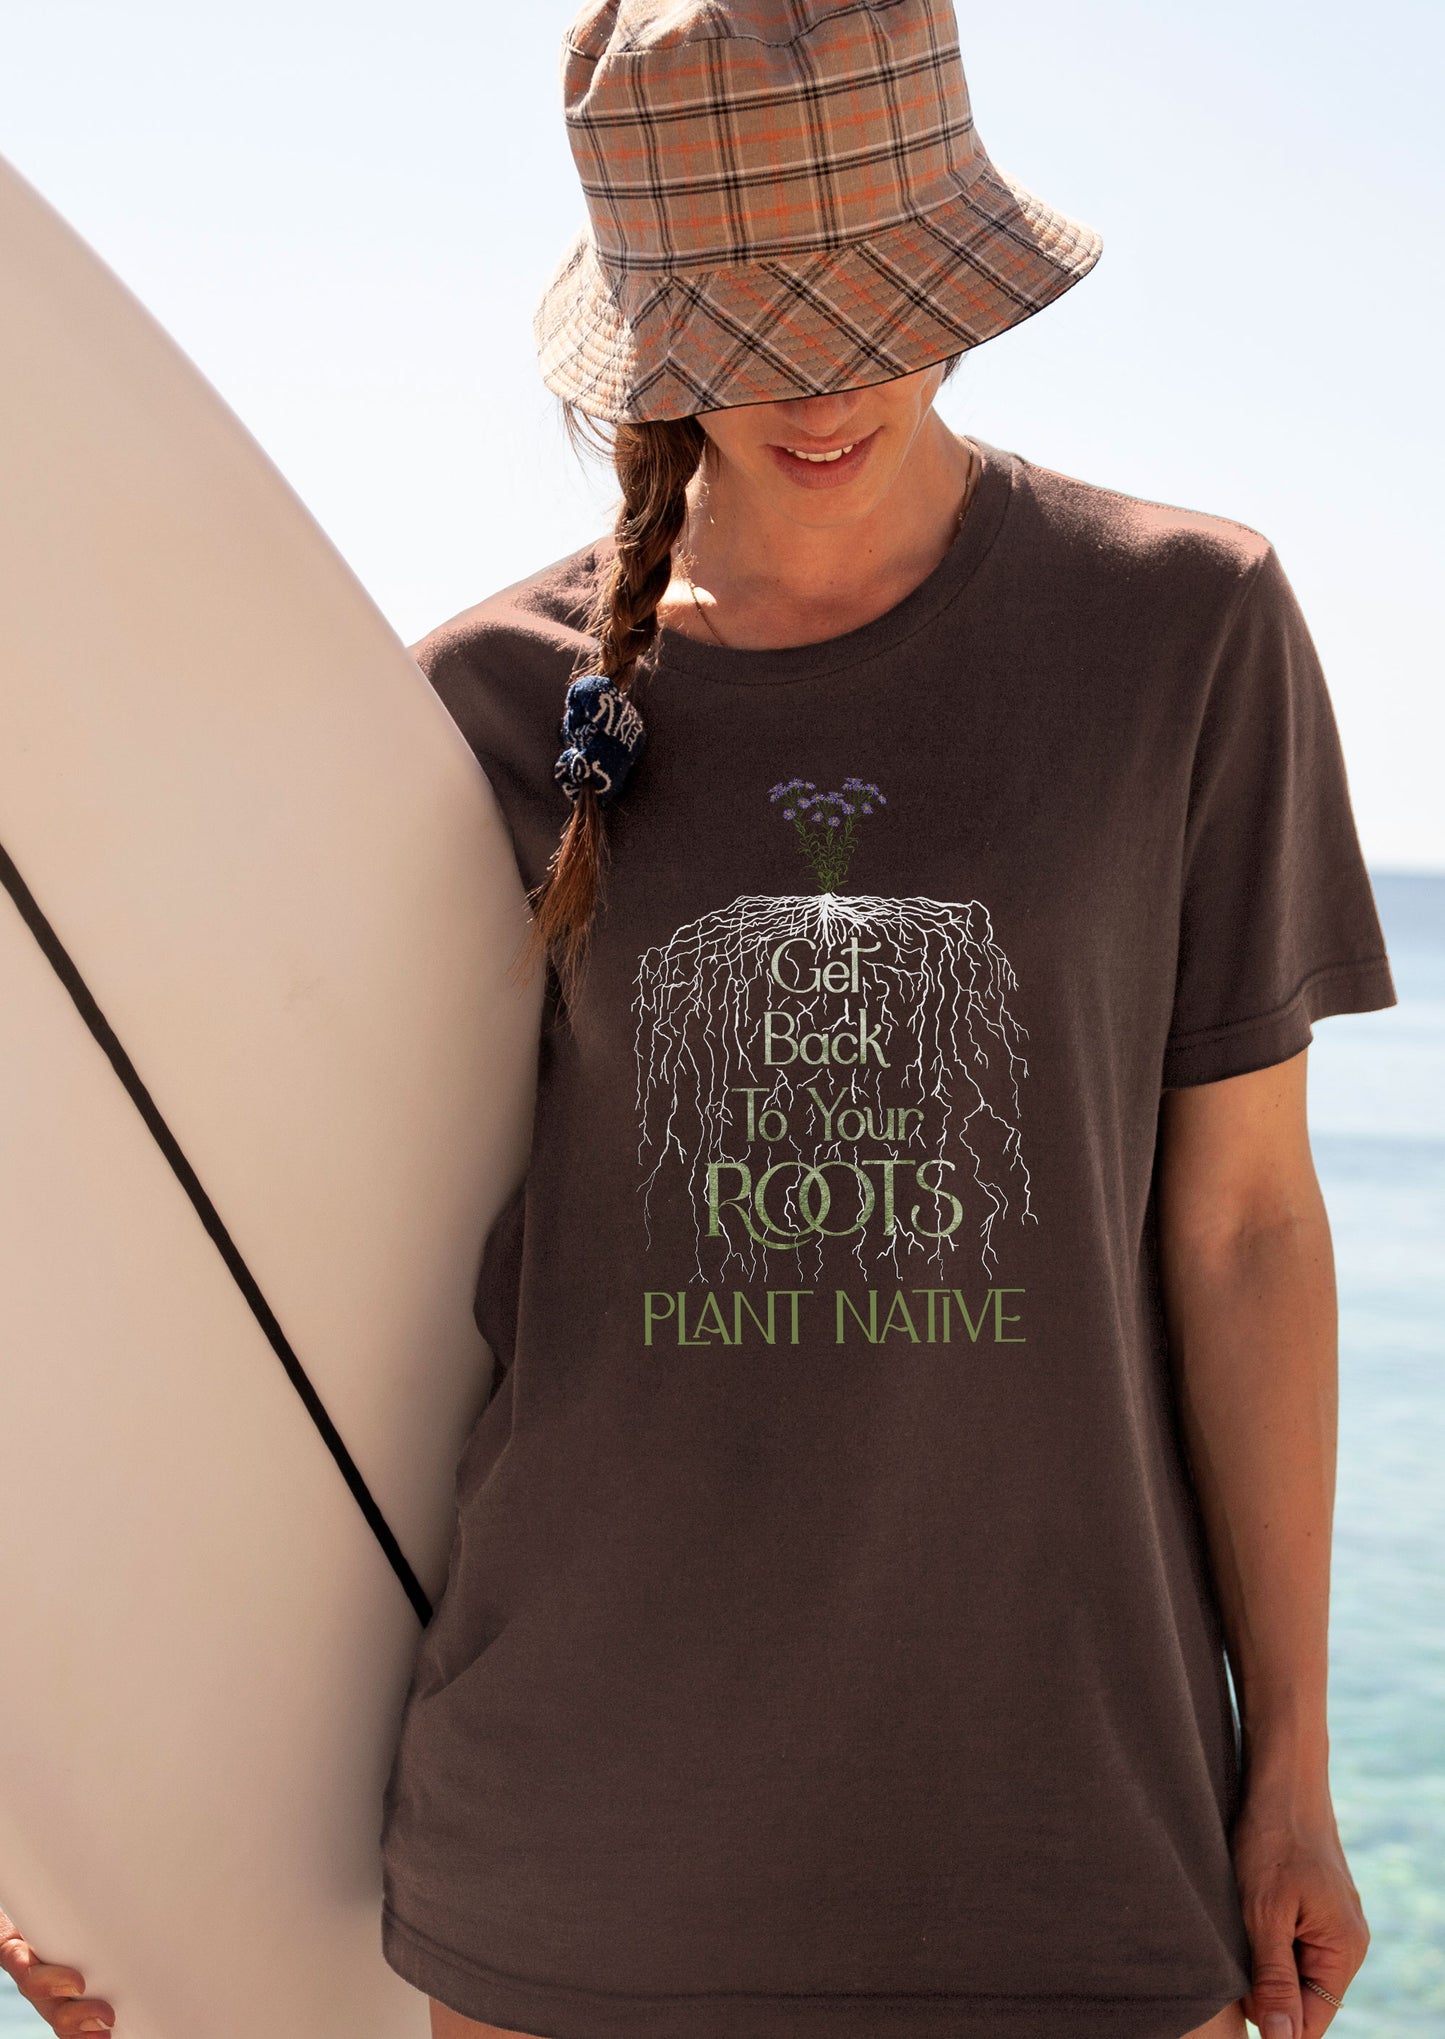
(55, 1990)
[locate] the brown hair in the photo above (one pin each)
(654, 463)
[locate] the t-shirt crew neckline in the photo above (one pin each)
(993, 492)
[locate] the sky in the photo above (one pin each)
(345, 215)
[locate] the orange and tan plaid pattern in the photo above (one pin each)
(785, 197)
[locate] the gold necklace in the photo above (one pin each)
(973, 470)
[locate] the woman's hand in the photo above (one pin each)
(1300, 1905)
(56, 1991)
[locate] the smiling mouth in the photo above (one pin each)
(821, 466)
(836, 453)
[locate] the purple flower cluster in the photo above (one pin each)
(813, 814)
(868, 792)
(806, 787)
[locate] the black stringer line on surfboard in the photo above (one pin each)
(64, 968)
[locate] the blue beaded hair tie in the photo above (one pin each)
(604, 735)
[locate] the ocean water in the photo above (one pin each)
(1377, 1117)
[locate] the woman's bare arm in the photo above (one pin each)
(1248, 1276)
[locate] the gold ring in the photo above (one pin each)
(1320, 1991)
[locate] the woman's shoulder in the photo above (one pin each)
(545, 614)
(1101, 528)
(501, 668)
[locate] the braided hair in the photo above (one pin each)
(654, 462)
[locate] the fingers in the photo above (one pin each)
(1330, 1948)
(54, 1988)
(1319, 2012)
(1273, 2002)
(1333, 1963)
(13, 1945)
(72, 2016)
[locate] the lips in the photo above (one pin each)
(826, 472)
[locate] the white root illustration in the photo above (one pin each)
(831, 1066)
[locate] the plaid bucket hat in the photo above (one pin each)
(785, 198)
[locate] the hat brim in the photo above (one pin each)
(633, 346)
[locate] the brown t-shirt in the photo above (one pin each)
(829, 1644)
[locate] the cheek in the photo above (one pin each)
(910, 414)
(751, 453)
(744, 451)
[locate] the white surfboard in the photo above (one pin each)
(265, 1081)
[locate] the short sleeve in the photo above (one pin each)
(1277, 923)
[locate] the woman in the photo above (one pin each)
(915, 1334)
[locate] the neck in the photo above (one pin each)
(766, 570)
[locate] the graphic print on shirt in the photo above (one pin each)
(831, 1072)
